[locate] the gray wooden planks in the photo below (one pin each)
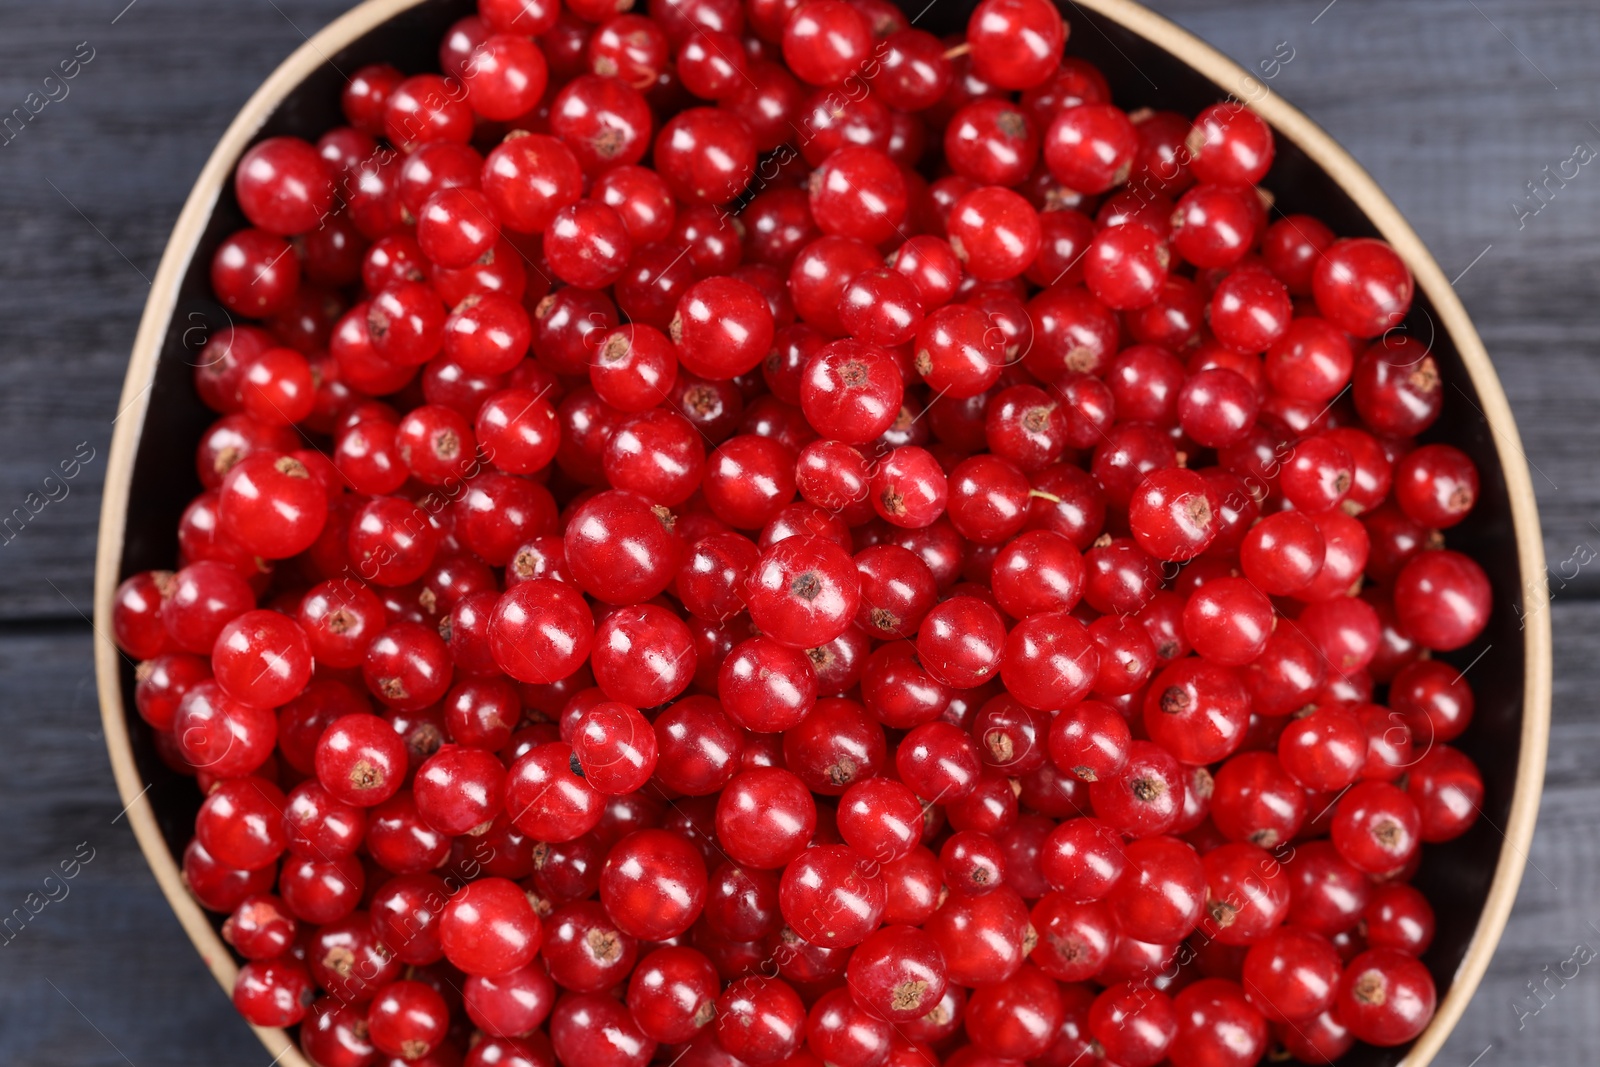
(1450, 116)
(1445, 101)
(115, 950)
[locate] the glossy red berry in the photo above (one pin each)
(1386, 997)
(489, 928)
(653, 885)
(1362, 286)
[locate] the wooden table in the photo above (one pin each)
(1454, 105)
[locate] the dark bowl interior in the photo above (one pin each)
(1456, 876)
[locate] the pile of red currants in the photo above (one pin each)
(750, 534)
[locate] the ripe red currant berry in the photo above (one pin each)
(722, 328)
(1090, 741)
(508, 1004)
(961, 642)
(1362, 286)
(634, 368)
(1434, 700)
(425, 108)
(1074, 938)
(858, 192)
(909, 488)
(1016, 44)
(643, 656)
(672, 995)
(318, 825)
(456, 227)
(832, 896)
(1134, 1023)
(595, 1030)
(1376, 827)
(1215, 225)
(489, 928)
(1090, 148)
(1448, 790)
(994, 232)
(1310, 361)
(506, 75)
(528, 178)
(1161, 894)
(283, 186)
(1038, 571)
(1324, 750)
(1442, 599)
(1436, 485)
(1146, 797)
(1021, 1018)
(706, 155)
(1250, 310)
(1230, 145)
(973, 863)
(218, 887)
(271, 506)
(259, 928)
(1050, 661)
(988, 499)
(408, 1019)
(1282, 553)
(262, 659)
(391, 542)
(616, 748)
(760, 1020)
(630, 47)
(897, 974)
(137, 613)
(1247, 894)
(407, 666)
(1217, 407)
(241, 823)
(460, 790)
(273, 992)
(255, 273)
(653, 885)
(361, 760)
(712, 65)
(621, 548)
(587, 245)
(825, 41)
(1228, 621)
(1126, 266)
(938, 760)
(767, 685)
(851, 391)
(803, 591)
(1216, 1025)
(881, 819)
(1291, 973)
(1386, 997)
(836, 744)
(1170, 514)
(765, 818)
(957, 353)
(742, 903)
(546, 799)
(583, 950)
(839, 1031)
(277, 387)
(983, 938)
(881, 307)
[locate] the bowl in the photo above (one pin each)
(1149, 62)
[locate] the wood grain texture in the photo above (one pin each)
(1453, 106)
